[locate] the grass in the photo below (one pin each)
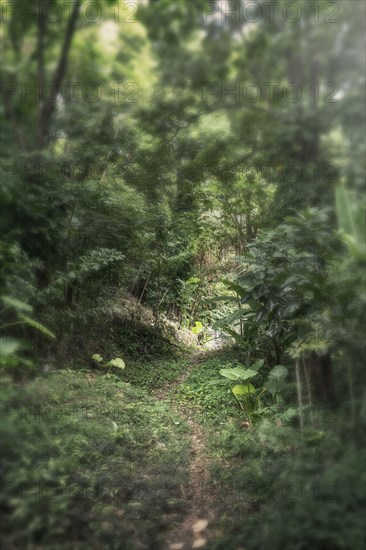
(96, 457)
(276, 489)
(154, 374)
(207, 393)
(89, 461)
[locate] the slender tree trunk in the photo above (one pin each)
(136, 279)
(323, 372)
(309, 388)
(351, 394)
(299, 393)
(143, 290)
(49, 106)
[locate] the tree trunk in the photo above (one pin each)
(299, 393)
(49, 106)
(321, 369)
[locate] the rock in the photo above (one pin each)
(176, 546)
(199, 526)
(199, 543)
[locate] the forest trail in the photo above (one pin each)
(193, 529)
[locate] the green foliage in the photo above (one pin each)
(292, 492)
(212, 397)
(238, 373)
(155, 373)
(84, 455)
(247, 395)
(117, 362)
(10, 345)
(206, 394)
(276, 379)
(197, 327)
(16, 304)
(35, 324)
(268, 471)
(284, 287)
(188, 202)
(351, 219)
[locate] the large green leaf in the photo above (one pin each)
(237, 314)
(117, 362)
(258, 365)
(197, 328)
(235, 287)
(243, 389)
(238, 373)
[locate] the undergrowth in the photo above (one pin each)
(277, 489)
(207, 393)
(154, 374)
(89, 461)
(95, 457)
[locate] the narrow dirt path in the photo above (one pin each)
(193, 530)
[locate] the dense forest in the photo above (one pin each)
(183, 275)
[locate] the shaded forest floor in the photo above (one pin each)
(159, 457)
(193, 529)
